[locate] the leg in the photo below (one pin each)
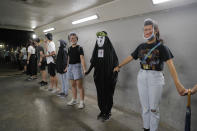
(56, 81)
(62, 82)
(74, 89)
(52, 81)
(81, 89)
(144, 99)
(66, 83)
(155, 84)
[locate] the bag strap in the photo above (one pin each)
(151, 51)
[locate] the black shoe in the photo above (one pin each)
(99, 116)
(106, 117)
(43, 83)
(146, 129)
(40, 82)
(61, 94)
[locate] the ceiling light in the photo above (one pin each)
(34, 36)
(47, 30)
(85, 19)
(159, 1)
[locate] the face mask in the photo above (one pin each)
(150, 37)
(100, 40)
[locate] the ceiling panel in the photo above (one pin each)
(36, 13)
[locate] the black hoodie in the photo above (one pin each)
(62, 57)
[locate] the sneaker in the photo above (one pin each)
(72, 102)
(30, 78)
(54, 91)
(40, 82)
(81, 105)
(44, 83)
(61, 94)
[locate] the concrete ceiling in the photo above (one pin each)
(116, 9)
(43, 14)
(28, 14)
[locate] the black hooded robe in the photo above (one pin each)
(104, 77)
(62, 57)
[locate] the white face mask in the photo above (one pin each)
(100, 40)
(150, 37)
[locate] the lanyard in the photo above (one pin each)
(143, 61)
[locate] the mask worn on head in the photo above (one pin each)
(100, 40)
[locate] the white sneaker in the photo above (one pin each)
(72, 102)
(81, 105)
(54, 91)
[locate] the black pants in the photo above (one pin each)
(105, 92)
(33, 65)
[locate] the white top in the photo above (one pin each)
(31, 49)
(24, 52)
(50, 48)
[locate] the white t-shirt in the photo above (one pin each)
(31, 49)
(24, 52)
(50, 48)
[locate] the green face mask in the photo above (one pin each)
(101, 34)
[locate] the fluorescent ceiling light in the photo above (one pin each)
(159, 1)
(34, 36)
(47, 30)
(85, 19)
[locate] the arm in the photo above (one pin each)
(89, 70)
(28, 57)
(83, 63)
(41, 57)
(65, 70)
(181, 90)
(50, 54)
(124, 62)
(194, 89)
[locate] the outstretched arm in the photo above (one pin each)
(83, 63)
(180, 88)
(124, 62)
(89, 70)
(194, 89)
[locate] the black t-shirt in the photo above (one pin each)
(74, 54)
(38, 50)
(155, 60)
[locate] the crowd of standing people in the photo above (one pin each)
(69, 63)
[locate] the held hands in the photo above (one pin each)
(117, 69)
(39, 64)
(65, 70)
(84, 71)
(183, 91)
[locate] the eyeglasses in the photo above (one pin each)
(101, 34)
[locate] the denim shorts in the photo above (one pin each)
(75, 71)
